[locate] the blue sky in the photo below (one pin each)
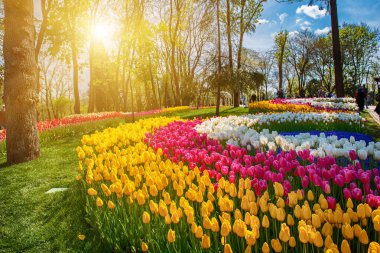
(296, 16)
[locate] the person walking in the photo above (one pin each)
(360, 98)
(365, 90)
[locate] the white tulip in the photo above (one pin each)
(362, 154)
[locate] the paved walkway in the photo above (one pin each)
(375, 116)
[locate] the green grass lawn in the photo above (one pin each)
(32, 221)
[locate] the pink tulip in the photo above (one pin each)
(331, 202)
(352, 155)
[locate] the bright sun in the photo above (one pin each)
(101, 32)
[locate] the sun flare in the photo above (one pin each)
(101, 31)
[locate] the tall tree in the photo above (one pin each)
(281, 41)
(249, 12)
(323, 64)
(20, 82)
(219, 59)
(360, 47)
(331, 5)
(300, 48)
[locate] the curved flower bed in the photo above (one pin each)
(233, 132)
(286, 122)
(270, 107)
(321, 103)
(159, 185)
(81, 118)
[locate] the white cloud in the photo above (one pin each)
(312, 11)
(262, 21)
(304, 25)
(282, 17)
(293, 33)
(323, 31)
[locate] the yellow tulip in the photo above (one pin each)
(206, 242)
(263, 203)
(140, 198)
(227, 248)
(293, 200)
(199, 232)
(207, 223)
(272, 210)
(360, 210)
(349, 203)
(292, 242)
(162, 208)
(346, 218)
(226, 228)
(168, 220)
(81, 237)
(153, 207)
(318, 241)
(214, 225)
(265, 248)
(303, 235)
(244, 203)
(376, 223)
(265, 222)
(316, 221)
(276, 245)
(297, 211)
(327, 229)
(110, 204)
(175, 217)
(190, 218)
(364, 222)
(250, 238)
(345, 247)
(281, 214)
(306, 212)
(239, 228)
(323, 202)
(238, 215)
(280, 203)
(363, 237)
(310, 195)
(357, 230)
(278, 189)
(290, 220)
(328, 241)
(284, 233)
(92, 192)
(368, 210)
(145, 217)
(144, 247)
(99, 202)
(171, 236)
(374, 247)
(348, 232)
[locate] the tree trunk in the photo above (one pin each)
(219, 61)
(75, 76)
(337, 55)
(230, 61)
(91, 92)
(20, 89)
